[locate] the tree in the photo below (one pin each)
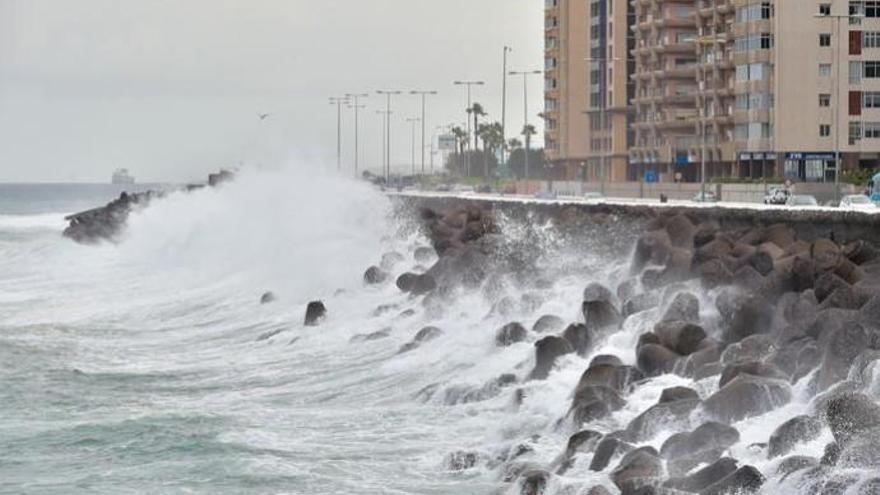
(460, 137)
(528, 131)
(514, 144)
(493, 139)
(477, 111)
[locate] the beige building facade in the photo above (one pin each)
(566, 32)
(747, 88)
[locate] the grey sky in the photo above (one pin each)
(171, 88)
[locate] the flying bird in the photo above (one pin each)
(263, 116)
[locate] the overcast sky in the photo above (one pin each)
(171, 88)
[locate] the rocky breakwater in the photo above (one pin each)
(755, 318)
(107, 222)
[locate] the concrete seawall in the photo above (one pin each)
(808, 223)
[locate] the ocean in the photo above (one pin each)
(149, 365)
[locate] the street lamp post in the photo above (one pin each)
(388, 94)
(383, 114)
(836, 58)
(526, 75)
(338, 101)
(703, 41)
(507, 50)
(357, 106)
(468, 84)
(424, 95)
(414, 121)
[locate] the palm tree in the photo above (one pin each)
(528, 131)
(477, 111)
(514, 144)
(460, 136)
(492, 137)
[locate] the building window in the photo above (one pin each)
(763, 10)
(855, 132)
(824, 100)
(824, 130)
(824, 40)
(754, 41)
(871, 9)
(871, 99)
(871, 130)
(855, 72)
(871, 39)
(871, 69)
(824, 70)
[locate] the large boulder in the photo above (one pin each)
(640, 467)
(267, 297)
(794, 431)
(684, 307)
(651, 248)
(616, 377)
(656, 360)
(708, 442)
(548, 324)
(746, 396)
(594, 402)
(375, 275)
(315, 312)
(680, 336)
(580, 337)
(606, 450)
(681, 231)
(751, 315)
(826, 254)
(744, 481)
(510, 334)
(850, 415)
(424, 335)
(840, 350)
(662, 417)
(584, 441)
(640, 302)
(703, 477)
(753, 348)
(598, 308)
(753, 368)
(547, 351)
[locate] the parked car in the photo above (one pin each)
(485, 188)
(801, 200)
(594, 196)
(709, 197)
(858, 202)
(461, 189)
(776, 196)
(443, 188)
(509, 189)
(546, 195)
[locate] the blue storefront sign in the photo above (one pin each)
(802, 155)
(650, 176)
(681, 159)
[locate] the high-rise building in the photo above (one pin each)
(566, 33)
(750, 88)
(588, 88)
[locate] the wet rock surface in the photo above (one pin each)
(745, 313)
(107, 222)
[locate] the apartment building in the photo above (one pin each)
(566, 34)
(660, 89)
(755, 88)
(588, 88)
